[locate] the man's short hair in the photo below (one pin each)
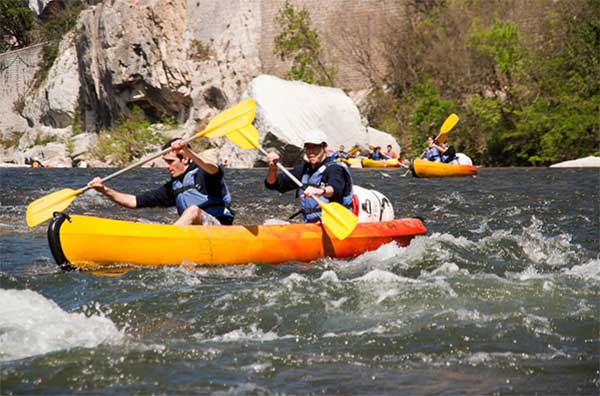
(168, 144)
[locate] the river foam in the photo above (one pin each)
(31, 325)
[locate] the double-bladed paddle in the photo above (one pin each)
(446, 127)
(336, 218)
(230, 120)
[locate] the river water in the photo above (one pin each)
(501, 297)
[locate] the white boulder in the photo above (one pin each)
(286, 110)
(587, 162)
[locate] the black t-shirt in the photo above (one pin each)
(333, 176)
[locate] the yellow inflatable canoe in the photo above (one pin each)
(424, 168)
(389, 163)
(93, 243)
(351, 162)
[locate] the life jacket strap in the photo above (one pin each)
(179, 190)
(294, 215)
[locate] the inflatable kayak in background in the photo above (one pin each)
(93, 243)
(389, 163)
(424, 168)
(352, 162)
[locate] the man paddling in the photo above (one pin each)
(196, 188)
(321, 177)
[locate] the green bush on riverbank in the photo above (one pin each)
(525, 86)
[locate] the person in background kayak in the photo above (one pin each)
(433, 150)
(197, 188)
(322, 178)
(389, 153)
(340, 154)
(376, 154)
(448, 153)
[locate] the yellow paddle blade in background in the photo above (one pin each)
(43, 208)
(235, 117)
(338, 219)
(446, 127)
(245, 137)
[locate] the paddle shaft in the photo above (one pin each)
(337, 219)
(283, 169)
(139, 163)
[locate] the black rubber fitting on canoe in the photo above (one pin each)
(54, 241)
(412, 168)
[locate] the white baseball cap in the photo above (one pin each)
(315, 136)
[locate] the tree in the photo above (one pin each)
(16, 22)
(301, 43)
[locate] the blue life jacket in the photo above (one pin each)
(449, 155)
(311, 211)
(190, 191)
(432, 154)
(376, 156)
(337, 155)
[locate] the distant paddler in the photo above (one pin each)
(341, 154)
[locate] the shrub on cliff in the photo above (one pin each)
(129, 140)
(16, 22)
(300, 43)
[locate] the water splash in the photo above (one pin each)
(32, 325)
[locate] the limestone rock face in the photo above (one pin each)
(286, 110)
(222, 41)
(55, 102)
(189, 59)
(132, 53)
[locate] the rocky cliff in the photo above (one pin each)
(184, 59)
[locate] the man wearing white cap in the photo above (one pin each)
(196, 188)
(321, 177)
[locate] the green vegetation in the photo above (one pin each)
(77, 121)
(200, 51)
(69, 145)
(20, 28)
(19, 105)
(51, 33)
(16, 23)
(11, 139)
(526, 88)
(130, 139)
(302, 44)
(42, 140)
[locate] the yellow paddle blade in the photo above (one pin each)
(353, 151)
(233, 118)
(42, 209)
(246, 137)
(338, 219)
(446, 127)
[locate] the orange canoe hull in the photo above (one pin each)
(389, 163)
(92, 243)
(424, 168)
